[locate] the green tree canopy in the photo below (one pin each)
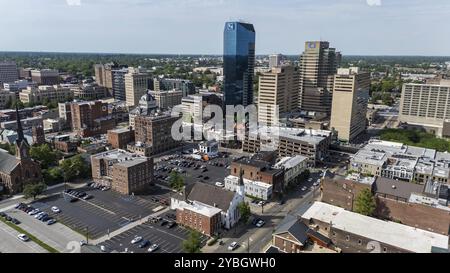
(244, 211)
(193, 242)
(44, 155)
(176, 181)
(33, 190)
(365, 203)
(75, 167)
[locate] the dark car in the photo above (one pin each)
(206, 177)
(163, 222)
(15, 221)
(144, 244)
(255, 221)
(51, 221)
(8, 218)
(170, 225)
(2, 214)
(82, 194)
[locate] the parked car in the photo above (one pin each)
(136, 240)
(220, 184)
(33, 212)
(163, 223)
(255, 221)
(23, 237)
(153, 248)
(8, 218)
(233, 246)
(304, 188)
(15, 221)
(144, 243)
(171, 224)
(87, 197)
(2, 214)
(56, 209)
(51, 221)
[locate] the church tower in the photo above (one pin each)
(22, 146)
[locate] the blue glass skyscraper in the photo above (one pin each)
(238, 63)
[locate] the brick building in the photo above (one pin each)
(124, 172)
(19, 170)
(91, 118)
(120, 138)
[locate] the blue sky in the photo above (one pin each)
(369, 27)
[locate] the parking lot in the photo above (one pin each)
(169, 240)
(105, 212)
(214, 170)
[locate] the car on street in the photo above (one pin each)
(153, 248)
(82, 243)
(136, 240)
(56, 209)
(51, 221)
(260, 223)
(15, 221)
(233, 246)
(23, 237)
(220, 184)
(103, 248)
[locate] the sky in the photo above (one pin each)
(354, 27)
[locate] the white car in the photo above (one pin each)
(233, 246)
(260, 223)
(153, 248)
(103, 248)
(309, 179)
(23, 237)
(136, 240)
(56, 210)
(33, 212)
(304, 188)
(82, 243)
(220, 184)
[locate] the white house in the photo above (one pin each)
(252, 188)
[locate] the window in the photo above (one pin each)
(384, 249)
(359, 242)
(347, 238)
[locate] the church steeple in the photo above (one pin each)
(22, 146)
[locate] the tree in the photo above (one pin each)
(33, 190)
(176, 181)
(193, 243)
(244, 211)
(75, 167)
(44, 155)
(52, 175)
(365, 203)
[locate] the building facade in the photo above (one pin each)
(43, 93)
(137, 83)
(349, 106)
(8, 72)
(278, 93)
(91, 118)
(238, 63)
(318, 64)
(45, 76)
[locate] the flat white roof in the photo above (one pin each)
(200, 208)
(391, 233)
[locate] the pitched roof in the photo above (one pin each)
(7, 162)
(295, 228)
(396, 187)
(211, 195)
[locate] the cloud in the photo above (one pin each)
(374, 2)
(73, 2)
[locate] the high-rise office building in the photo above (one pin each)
(238, 63)
(318, 64)
(118, 83)
(275, 60)
(104, 77)
(136, 85)
(427, 106)
(278, 87)
(8, 72)
(350, 97)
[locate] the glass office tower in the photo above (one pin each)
(238, 63)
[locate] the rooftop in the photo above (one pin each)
(120, 157)
(396, 187)
(391, 233)
(290, 162)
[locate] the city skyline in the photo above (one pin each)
(196, 26)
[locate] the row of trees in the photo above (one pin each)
(416, 138)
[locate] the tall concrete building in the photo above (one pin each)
(277, 88)
(349, 107)
(238, 63)
(104, 75)
(91, 118)
(136, 85)
(427, 106)
(318, 64)
(167, 99)
(275, 60)
(45, 76)
(8, 72)
(118, 83)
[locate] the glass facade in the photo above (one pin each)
(238, 63)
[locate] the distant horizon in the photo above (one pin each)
(185, 27)
(201, 54)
